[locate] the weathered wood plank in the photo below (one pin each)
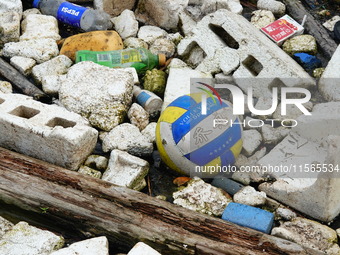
(126, 216)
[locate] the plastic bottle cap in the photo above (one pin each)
(161, 59)
(36, 3)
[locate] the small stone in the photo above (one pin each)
(329, 24)
(300, 43)
(29, 12)
(249, 196)
(5, 226)
(31, 240)
(161, 197)
(51, 83)
(276, 7)
(133, 42)
(150, 33)
(175, 38)
(126, 24)
(9, 27)
(97, 246)
(127, 137)
(202, 197)
(23, 65)
(5, 87)
(155, 81)
(310, 234)
(56, 66)
(284, 213)
(138, 116)
(40, 50)
(317, 73)
(262, 18)
(97, 162)
(251, 141)
(176, 63)
(150, 132)
(37, 26)
(142, 249)
(126, 170)
(90, 172)
(273, 135)
(163, 46)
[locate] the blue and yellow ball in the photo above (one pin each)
(188, 138)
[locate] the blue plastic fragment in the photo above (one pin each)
(249, 216)
(309, 62)
(228, 185)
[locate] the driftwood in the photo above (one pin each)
(296, 9)
(21, 82)
(126, 216)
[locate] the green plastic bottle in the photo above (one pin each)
(140, 58)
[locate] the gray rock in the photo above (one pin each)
(202, 197)
(23, 65)
(5, 87)
(56, 66)
(133, 42)
(310, 234)
(9, 27)
(249, 196)
(273, 135)
(251, 141)
(30, 240)
(138, 116)
(150, 33)
(150, 132)
(90, 172)
(11, 5)
(275, 7)
(37, 26)
(163, 46)
(300, 43)
(5, 226)
(126, 170)
(126, 24)
(262, 18)
(98, 93)
(127, 137)
(97, 162)
(40, 50)
(285, 214)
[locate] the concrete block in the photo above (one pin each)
(202, 197)
(99, 93)
(114, 7)
(127, 137)
(23, 65)
(9, 27)
(29, 240)
(262, 18)
(51, 83)
(47, 132)
(150, 33)
(163, 46)
(314, 235)
(276, 7)
(251, 141)
(5, 226)
(162, 13)
(37, 26)
(249, 196)
(328, 84)
(126, 170)
(97, 162)
(11, 5)
(40, 50)
(260, 60)
(56, 66)
(90, 172)
(5, 87)
(97, 245)
(150, 132)
(227, 184)
(126, 24)
(248, 216)
(138, 116)
(142, 249)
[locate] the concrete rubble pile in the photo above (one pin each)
(95, 110)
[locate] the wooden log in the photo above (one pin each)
(313, 27)
(21, 82)
(126, 216)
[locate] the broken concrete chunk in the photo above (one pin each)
(56, 66)
(98, 93)
(37, 26)
(40, 50)
(90, 172)
(9, 27)
(163, 46)
(329, 24)
(47, 132)
(5, 87)
(309, 234)
(126, 170)
(262, 18)
(5, 226)
(114, 7)
(150, 33)
(249, 196)
(30, 11)
(150, 132)
(97, 162)
(11, 5)
(97, 245)
(142, 249)
(285, 214)
(276, 7)
(300, 43)
(127, 137)
(31, 240)
(273, 135)
(251, 141)
(202, 197)
(133, 42)
(126, 24)
(176, 63)
(51, 83)
(187, 23)
(23, 65)
(209, 6)
(138, 116)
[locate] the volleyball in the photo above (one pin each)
(198, 136)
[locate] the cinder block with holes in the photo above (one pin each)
(47, 132)
(232, 45)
